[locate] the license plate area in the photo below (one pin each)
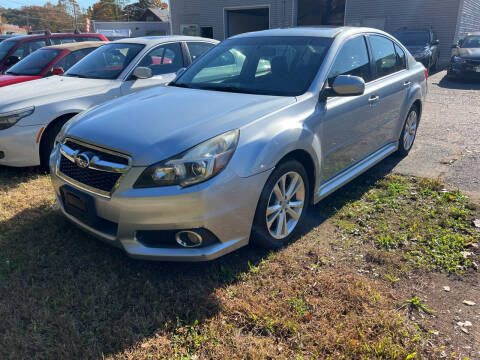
(78, 205)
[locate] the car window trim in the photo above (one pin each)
(145, 52)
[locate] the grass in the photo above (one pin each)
(64, 294)
(424, 225)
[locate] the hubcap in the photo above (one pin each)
(285, 205)
(410, 130)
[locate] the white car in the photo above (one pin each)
(32, 114)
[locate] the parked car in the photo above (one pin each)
(5, 37)
(14, 49)
(465, 62)
(31, 114)
(422, 44)
(189, 171)
(48, 61)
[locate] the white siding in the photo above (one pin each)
(212, 12)
(439, 15)
(469, 18)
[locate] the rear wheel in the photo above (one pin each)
(409, 132)
(282, 206)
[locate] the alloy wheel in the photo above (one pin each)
(410, 130)
(285, 205)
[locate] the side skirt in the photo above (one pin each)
(353, 171)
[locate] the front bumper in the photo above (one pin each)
(19, 146)
(465, 70)
(224, 206)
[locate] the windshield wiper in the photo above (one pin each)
(179, 85)
(235, 89)
(76, 75)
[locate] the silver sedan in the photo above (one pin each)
(239, 145)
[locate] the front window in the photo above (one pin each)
(35, 63)
(5, 47)
(413, 38)
(471, 42)
(107, 62)
(283, 66)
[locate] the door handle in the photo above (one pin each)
(373, 99)
(407, 83)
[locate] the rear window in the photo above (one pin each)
(413, 38)
(35, 63)
(6, 46)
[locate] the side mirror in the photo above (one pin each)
(11, 60)
(346, 85)
(435, 42)
(460, 42)
(180, 71)
(57, 71)
(142, 72)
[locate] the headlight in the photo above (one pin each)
(458, 60)
(196, 165)
(11, 118)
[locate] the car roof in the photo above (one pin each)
(76, 45)
(314, 31)
(34, 36)
(150, 40)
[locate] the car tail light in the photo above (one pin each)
(426, 73)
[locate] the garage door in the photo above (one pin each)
(245, 20)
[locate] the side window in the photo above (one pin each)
(384, 56)
(71, 59)
(198, 48)
(352, 60)
(401, 60)
(28, 47)
(164, 59)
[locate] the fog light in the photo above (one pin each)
(188, 239)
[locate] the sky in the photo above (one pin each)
(19, 3)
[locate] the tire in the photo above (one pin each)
(48, 139)
(270, 236)
(406, 141)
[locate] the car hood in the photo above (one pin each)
(47, 90)
(469, 54)
(15, 79)
(156, 124)
(416, 49)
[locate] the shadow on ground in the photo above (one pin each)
(11, 177)
(459, 84)
(65, 295)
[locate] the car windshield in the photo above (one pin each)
(284, 66)
(413, 38)
(471, 42)
(5, 47)
(34, 63)
(106, 62)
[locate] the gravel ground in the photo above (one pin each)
(448, 140)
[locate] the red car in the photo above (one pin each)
(47, 61)
(14, 49)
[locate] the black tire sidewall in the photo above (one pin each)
(47, 143)
(260, 234)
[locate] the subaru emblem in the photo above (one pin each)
(82, 160)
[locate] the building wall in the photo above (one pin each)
(440, 15)
(138, 28)
(469, 18)
(212, 13)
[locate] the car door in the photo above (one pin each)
(164, 61)
(390, 85)
(348, 121)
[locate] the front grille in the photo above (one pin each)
(101, 180)
(105, 156)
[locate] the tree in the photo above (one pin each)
(106, 10)
(136, 10)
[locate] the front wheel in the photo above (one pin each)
(409, 132)
(282, 206)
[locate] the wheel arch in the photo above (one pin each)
(64, 117)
